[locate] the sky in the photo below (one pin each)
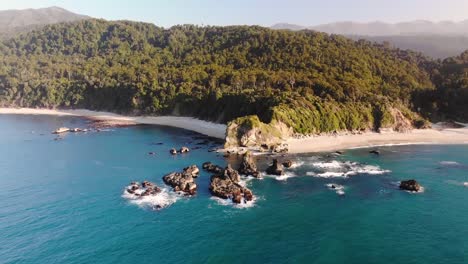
(256, 12)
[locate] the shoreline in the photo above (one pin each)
(189, 123)
(319, 143)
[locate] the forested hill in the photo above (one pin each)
(310, 81)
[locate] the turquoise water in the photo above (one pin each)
(61, 202)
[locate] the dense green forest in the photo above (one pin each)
(313, 82)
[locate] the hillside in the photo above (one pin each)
(20, 21)
(310, 81)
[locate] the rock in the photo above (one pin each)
(184, 150)
(210, 167)
(376, 152)
(61, 130)
(248, 166)
(149, 188)
(410, 185)
(465, 184)
(192, 170)
(287, 164)
(183, 181)
(76, 129)
(275, 169)
(231, 173)
(339, 152)
(173, 151)
(225, 186)
(151, 153)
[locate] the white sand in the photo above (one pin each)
(422, 136)
(189, 123)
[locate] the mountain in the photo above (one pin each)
(19, 21)
(437, 40)
(418, 27)
(435, 46)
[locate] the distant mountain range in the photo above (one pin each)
(417, 27)
(19, 21)
(434, 39)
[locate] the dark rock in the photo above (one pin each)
(376, 152)
(410, 185)
(173, 151)
(151, 153)
(193, 170)
(248, 166)
(288, 164)
(210, 167)
(232, 174)
(183, 181)
(339, 152)
(275, 169)
(225, 186)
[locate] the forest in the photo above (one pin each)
(311, 81)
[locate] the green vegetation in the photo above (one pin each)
(309, 81)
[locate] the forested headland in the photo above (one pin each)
(312, 82)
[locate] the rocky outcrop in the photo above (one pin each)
(248, 166)
(226, 186)
(410, 185)
(249, 131)
(276, 168)
(183, 181)
(210, 167)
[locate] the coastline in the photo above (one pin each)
(320, 143)
(189, 123)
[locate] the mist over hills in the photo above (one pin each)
(435, 39)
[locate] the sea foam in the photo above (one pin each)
(332, 169)
(157, 201)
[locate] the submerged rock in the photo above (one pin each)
(410, 185)
(61, 130)
(145, 189)
(173, 151)
(183, 181)
(376, 152)
(248, 166)
(226, 186)
(210, 167)
(275, 169)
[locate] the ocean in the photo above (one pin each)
(63, 201)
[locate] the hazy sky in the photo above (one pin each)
(260, 12)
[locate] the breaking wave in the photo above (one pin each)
(339, 189)
(228, 202)
(334, 169)
(157, 201)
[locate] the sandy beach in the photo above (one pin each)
(371, 139)
(189, 123)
